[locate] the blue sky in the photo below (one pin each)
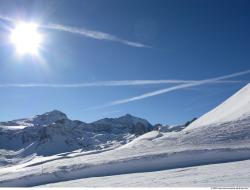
(181, 40)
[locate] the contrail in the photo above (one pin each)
(170, 89)
(94, 34)
(106, 83)
(85, 32)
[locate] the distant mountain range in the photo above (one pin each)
(52, 133)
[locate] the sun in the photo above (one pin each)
(26, 38)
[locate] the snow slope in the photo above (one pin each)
(233, 108)
(232, 174)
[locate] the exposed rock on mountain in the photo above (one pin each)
(53, 133)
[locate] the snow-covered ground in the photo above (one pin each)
(232, 174)
(209, 144)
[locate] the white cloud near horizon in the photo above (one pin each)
(97, 35)
(170, 89)
(108, 83)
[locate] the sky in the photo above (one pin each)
(109, 58)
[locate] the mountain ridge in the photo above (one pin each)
(56, 115)
(53, 133)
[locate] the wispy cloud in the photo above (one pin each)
(95, 35)
(85, 32)
(106, 83)
(174, 88)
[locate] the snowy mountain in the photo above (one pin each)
(236, 107)
(131, 124)
(224, 139)
(52, 133)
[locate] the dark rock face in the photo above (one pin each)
(189, 122)
(127, 123)
(140, 129)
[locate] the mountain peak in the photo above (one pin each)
(133, 119)
(129, 116)
(49, 117)
(55, 113)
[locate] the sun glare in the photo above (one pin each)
(26, 38)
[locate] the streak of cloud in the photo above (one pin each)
(106, 83)
(174, 88)
(84, 32)
(95, 35)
